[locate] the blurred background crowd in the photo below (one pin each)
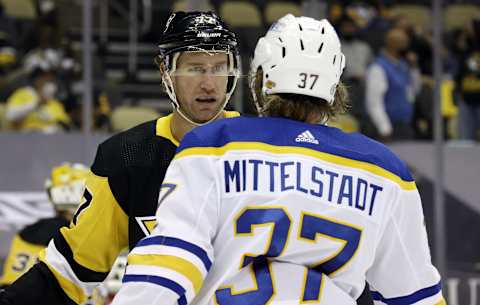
(388, 47)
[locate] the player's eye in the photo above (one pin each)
(196, 69)
(220, 69)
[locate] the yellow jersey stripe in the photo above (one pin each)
(369, 167)
(180, 265)
(230, 114)
(73, 291)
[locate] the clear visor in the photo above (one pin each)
(194, 69)
(202, 70)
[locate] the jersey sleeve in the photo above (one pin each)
(21, 257)
(402, 271)
(37, 286)
(170, 265)
(81, 256)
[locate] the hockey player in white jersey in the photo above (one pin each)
(308, 212)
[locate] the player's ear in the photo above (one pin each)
(162, 67)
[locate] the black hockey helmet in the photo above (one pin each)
(192, 31)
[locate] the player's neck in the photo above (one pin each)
(179, 126)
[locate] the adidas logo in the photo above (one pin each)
(306, 136)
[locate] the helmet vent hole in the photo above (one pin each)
(320, 48)
(301, 45)
(266, 75)
(273, 66)
(284, 51)
(300, 27)
(323, 30)
(280, 39)
(334, 58)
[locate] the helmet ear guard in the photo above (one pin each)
(299, 55)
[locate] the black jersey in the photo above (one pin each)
(117, 210)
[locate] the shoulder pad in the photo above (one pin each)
(138, 146)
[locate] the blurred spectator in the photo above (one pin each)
(8, 52)
(420, 43)
(47, 54)
(46, 18)
(468, 81)
(106, 93)
(391, 86)
(373, 23)
(101, 112)
(7, 24)
(421, 47)
(51, 54)
(358, 56)
(35, 108)
(8, 55)
(47, 12)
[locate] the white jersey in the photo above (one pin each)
(265, 210)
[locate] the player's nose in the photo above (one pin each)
(208, 82)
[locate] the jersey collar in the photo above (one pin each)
(163, 126)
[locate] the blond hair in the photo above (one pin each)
(299, 107)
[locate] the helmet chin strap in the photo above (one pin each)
(191, 121)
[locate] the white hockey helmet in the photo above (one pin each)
(299, 55)
(66, 185)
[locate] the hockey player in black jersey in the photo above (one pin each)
(198, 61)
(64, 188)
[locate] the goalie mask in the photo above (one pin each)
(298, 55)
(196, 32)
(65, 186)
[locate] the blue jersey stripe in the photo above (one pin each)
(161, 281)
(178, 243)
(284, 132)
(411, 298)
